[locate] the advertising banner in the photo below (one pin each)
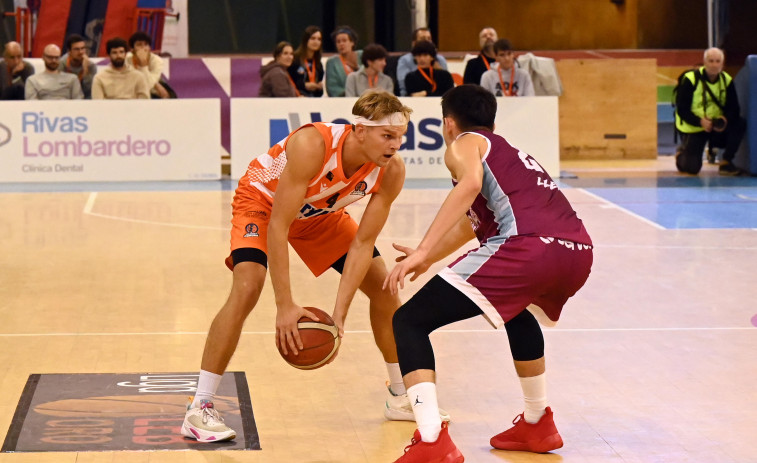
(128, 140)
(530, 124)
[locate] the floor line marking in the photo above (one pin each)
(486, 330)
(90, 202)
(623, 209)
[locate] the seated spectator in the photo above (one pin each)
(707, 110)
(13, 72)
(307, 70)
(344, 63)
(476, 67)
(406, 64)
(425, 80)
(53, 84)
(150, 64)
(76, 61)
(275, 80)
(507, 79)
(118, 81)
(371, 75)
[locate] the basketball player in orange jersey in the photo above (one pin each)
(296, 193)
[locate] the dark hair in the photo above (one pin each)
(280, 48)
(415, 32)
(471, 106)
(116, 42)
(372, 52)
(345, 30)
(301, 51)
(502, 45)
(139, 36)
(72, 39)
(424, 47)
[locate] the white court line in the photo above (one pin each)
(622, 209)
(91, 203)
(487, 330)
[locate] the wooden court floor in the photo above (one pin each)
(653, 361)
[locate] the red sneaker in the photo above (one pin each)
(526, 437)
(441, 451)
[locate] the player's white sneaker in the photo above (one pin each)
(398, 407)
(205, 424)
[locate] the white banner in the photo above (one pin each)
(531, 124)
(125, 140)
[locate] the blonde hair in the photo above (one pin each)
(377, 104)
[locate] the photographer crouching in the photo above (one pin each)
(707, 109)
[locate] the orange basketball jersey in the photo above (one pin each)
(328, 191)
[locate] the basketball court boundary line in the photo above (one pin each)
(623, 209)
(91, 203)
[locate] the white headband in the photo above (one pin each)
(392, 119)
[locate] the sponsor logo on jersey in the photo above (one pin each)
(360, 189)
(251, 230)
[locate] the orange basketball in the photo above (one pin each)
(320, 341)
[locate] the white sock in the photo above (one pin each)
(395, 379)
(535, 395)
(207, 386)
(426, 409)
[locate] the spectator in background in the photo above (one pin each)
(13, 72)
(53, 84)
(425, 80)
(507, 79)
(143, 60)
(371, 75)
(406, 64)
(118, 81)
(476, 67)
(307, 70)
(275, 80)
(707, 109)
(77, 62)
(344, 63)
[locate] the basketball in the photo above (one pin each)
(320, 341)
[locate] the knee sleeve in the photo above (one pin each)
(435, 305)
(525, 337)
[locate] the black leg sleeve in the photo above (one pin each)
(525, 337)
(437, 304)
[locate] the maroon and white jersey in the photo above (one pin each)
(519, 198)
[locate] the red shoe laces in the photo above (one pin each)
(412, 442)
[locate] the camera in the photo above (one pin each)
(719, 123)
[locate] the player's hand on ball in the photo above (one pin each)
(287, 334)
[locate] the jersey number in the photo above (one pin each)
(332, 200)
(530, 164)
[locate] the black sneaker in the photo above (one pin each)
(712, 156)
(728, 169)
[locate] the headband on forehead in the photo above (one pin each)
(393, 119)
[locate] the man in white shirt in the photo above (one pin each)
(53, 84)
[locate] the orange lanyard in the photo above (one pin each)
(347, 68)
(509, 91)
(430, 78)
(296, 92)
(68, 67)
(311, 73)
(372, 81)
(486, 61)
